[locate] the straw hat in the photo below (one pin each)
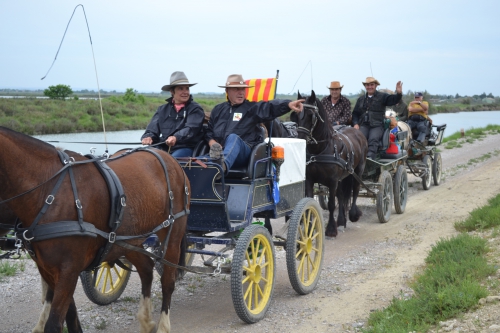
(370, 79)
(235, 81)
(177, 79)
(335, 85)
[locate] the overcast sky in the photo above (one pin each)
(441, 46)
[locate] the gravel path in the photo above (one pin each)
(365, 267)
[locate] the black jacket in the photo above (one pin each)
(186, 125)
(243, 120)
(372, 110)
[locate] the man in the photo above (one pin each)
(179, 122)
(369, 112)
(233, 129)
(337, 107)
(418, 110)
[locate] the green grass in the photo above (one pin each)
(451, 283)
(9, 269)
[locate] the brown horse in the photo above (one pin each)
(157, 196)
(332, 157)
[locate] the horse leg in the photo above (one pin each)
(47, 295)
(343, 201)
(64, 289)
(331, 228)
(144, 266)
(72, 321)
(168, 284)
(355, 213)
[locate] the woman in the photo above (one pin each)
(178, 123)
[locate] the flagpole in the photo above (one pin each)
(277, 77)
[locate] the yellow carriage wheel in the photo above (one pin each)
(253, 273)
(305, 245)
(105, 284)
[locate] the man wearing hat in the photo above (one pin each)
(233, 129)
(337, 107)
(369, 112)
(417, 120)
(179, 122)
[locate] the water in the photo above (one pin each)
(131, 139)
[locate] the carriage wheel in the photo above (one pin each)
(304, 246)
(437, 166)
(426, 180)
(400, 189)
(189, 261)
(105, 284)
(252, 273)
(323, 201)
(384, 197)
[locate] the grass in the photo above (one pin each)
(456, 141)
(452, 281)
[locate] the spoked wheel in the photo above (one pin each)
(437, 166)
(400, 189)
(384, 197)
(252, 273)
(304, 246)
(105, 284)
(426, 179)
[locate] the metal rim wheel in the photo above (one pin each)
(426, 179)
(253, 273)
(305, 246)
(105, 284)
(384, 197)
(437, 166)
(400, 189)
(323, 201)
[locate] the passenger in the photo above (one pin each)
(179, 122)
(337, 107)
(233, 129)
(369, 112)
(418, 110)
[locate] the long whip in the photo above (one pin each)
(95, 66)
(309, 62)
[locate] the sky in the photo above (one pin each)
(444, 47)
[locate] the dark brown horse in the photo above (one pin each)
(332, 157)
(154, 198)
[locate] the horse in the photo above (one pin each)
(332, 157)
(65, 204)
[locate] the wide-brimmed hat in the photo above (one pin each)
(370, 79)
(177, 79)
(235, 81)
(335, 85)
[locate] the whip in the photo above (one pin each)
(95, 66)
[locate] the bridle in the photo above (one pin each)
(309, 132)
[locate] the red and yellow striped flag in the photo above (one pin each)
(263, 89)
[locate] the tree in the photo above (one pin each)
(61, 91)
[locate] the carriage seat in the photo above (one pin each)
(258, 152)
(434, 138)
(385, 142)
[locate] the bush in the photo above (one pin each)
(60, 91)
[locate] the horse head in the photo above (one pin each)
(312, 121)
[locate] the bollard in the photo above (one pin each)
(462, 133)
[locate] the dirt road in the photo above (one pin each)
(364, 267)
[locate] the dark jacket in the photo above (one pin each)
(243, 120)
(186, 125)
(372, 110)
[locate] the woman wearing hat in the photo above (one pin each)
(233, 129)
(178, 123)
(369, 112)
(337, 107)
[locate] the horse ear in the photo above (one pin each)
(299, 96)
(313, 95)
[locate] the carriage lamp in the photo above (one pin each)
(278, 157)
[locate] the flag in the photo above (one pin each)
(263, 89)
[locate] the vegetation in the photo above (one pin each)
(60, 92)
(453, 281)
